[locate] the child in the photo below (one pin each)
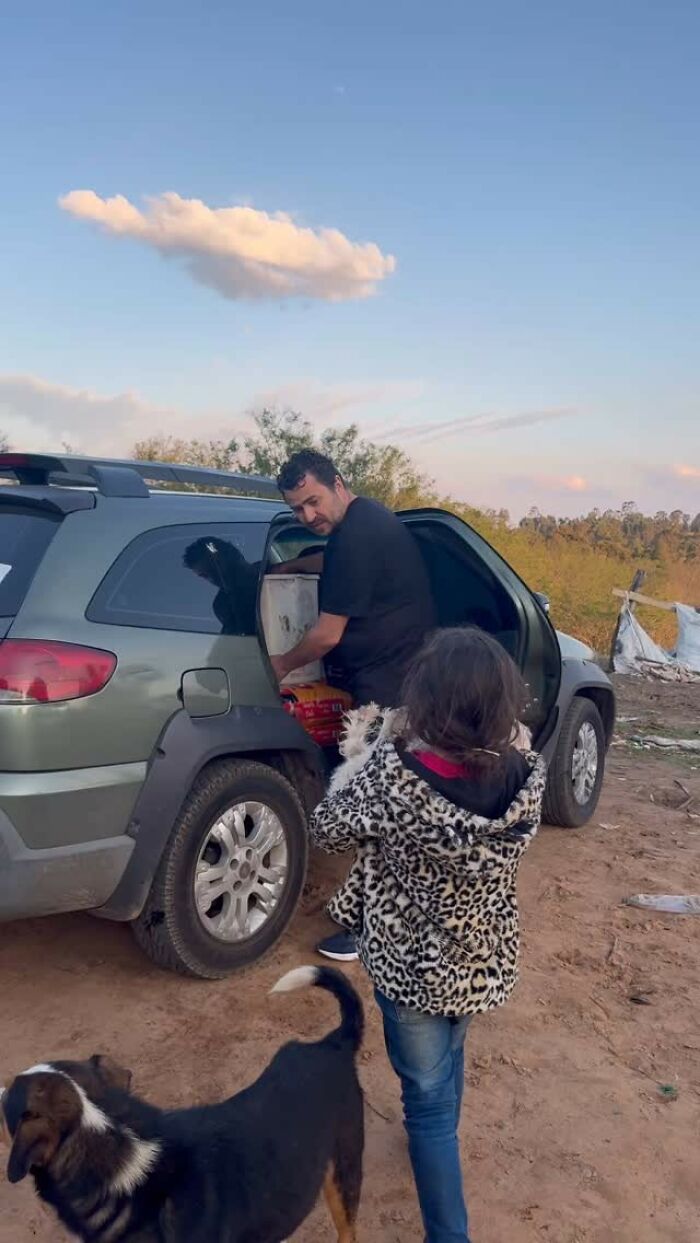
(440, 815)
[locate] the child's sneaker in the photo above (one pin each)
(340, 947)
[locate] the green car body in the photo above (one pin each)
(106, 798)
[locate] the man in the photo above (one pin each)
(375, 603)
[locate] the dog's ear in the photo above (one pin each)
(52, 1109)
(5, 1137)
(115, 1075)
(34, 1144)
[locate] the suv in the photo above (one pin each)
(149, 772)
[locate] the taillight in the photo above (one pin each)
(40, 671)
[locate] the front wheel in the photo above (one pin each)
(231, 874)
(578, 767)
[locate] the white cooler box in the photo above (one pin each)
(288, 608)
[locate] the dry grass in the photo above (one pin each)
(579, 582)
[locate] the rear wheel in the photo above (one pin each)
(577, 770)
(231, 873)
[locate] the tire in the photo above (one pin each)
(175, 929)
(567, 802)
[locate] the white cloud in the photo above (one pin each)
(564, 494)
(39, 416)
(553, 485)
(239, 251)
(326, 403)
(475, 424)
(572, 483)
(670, 487)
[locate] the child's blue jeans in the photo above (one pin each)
(427, 1053)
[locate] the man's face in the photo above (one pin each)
(319, 507)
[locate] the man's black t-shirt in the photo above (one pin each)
(374, 575)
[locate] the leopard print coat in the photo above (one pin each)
(431, 894)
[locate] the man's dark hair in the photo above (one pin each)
(307, 462)
(464, 696)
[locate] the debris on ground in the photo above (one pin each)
(666, 744)
(668, 903)
(581, 1114)
(634, 651)
(669, 1091)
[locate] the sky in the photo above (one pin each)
(472, 229)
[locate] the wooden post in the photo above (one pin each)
(636, 583)
(636, 597)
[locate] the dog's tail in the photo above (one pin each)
(352, 1018)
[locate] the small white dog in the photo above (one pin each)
(360, 739)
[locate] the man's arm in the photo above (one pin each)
(317, 642)
(313, 564)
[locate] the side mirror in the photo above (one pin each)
(542, 600)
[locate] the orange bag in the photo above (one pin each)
(319, 709)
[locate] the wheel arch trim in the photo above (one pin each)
(186, 747)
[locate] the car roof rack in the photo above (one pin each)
(117, 477)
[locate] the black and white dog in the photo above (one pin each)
(249, 1170)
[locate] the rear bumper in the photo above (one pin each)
(72, 806)
(63, 837)
(59, 879)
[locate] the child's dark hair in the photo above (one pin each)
(464, 696)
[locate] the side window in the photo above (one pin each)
(294, 541)
(202, 579)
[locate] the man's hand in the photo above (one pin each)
(279, 667)
(312, 564)
(316, 644)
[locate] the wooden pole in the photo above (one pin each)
(636, 583)
(636, 597)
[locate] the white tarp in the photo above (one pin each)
(669, 903)
(634, 644)
(688, 646)
(635, 649)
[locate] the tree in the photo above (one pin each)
(215, 454)
(276, 437)
(4, 443)
(576, 561)
(384, 472)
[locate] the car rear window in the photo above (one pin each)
(24, 537)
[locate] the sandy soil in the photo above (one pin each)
(567, 1136)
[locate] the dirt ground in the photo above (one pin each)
(570, 1131)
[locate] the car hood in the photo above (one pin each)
(572, 649)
